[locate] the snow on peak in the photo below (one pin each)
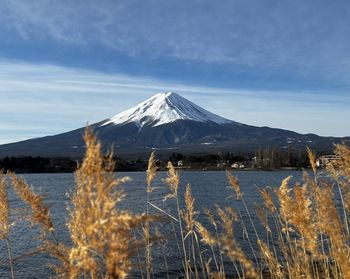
(165, 108)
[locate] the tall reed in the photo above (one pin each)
(40, 211)
(150, 176)
(102, 234)
(305, 235)
(4, 220)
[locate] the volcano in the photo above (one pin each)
(169, 123)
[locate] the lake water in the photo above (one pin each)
(209, 188)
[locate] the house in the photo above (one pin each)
(326, 159)
(235, 166)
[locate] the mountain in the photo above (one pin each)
(169, 123)
(165, 108)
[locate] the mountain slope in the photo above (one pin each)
(169, 123)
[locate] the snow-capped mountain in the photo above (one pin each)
(165, 108)
(168, 123)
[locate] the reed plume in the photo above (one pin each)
(150, 176)
(4, 220)
(207, 237)
(40, 210)
(173, 181)
(312, 159)
(151, 172)
(102, 234)
(330, 223)
(268, 200)
(297, 210)
(342, 151)
(234, 184)
(262, 217)
(340, 171)
(189, 213)
(4, 209)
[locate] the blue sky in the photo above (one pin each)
(274, 63)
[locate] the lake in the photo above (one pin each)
(209, 188)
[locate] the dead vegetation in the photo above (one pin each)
(306, 227)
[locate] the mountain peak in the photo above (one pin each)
(165, 96)
(168, 94)
(165, 108)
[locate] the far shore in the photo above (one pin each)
(178, 168)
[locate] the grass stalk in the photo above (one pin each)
(187, 269)
(307, 237)
(9, 251)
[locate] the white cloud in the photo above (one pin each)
(308, 38)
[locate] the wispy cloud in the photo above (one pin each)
(42, 99)
(299, 38)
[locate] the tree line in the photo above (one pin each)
(263, 158)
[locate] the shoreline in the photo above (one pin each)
(177, 168)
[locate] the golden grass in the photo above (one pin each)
(40, 211)
(5, 220)
(150, 176)
(102, 237)
(306, 229)
(4, 209)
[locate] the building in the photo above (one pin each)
(326, 159)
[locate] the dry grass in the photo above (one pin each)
(306, 228)
(5, 220)
(150, 176)
(102, 234)
(40, 211)
(4, 209)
